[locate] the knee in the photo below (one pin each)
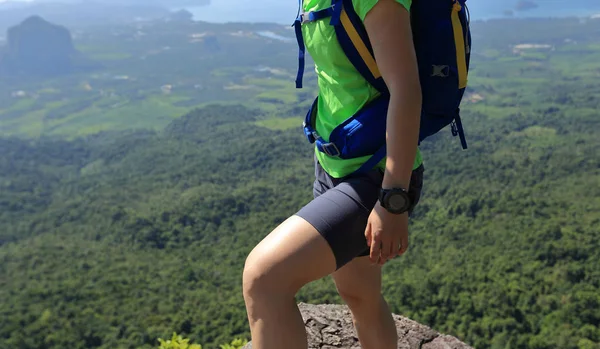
(261, 279)
(255, 278)
(363, 298)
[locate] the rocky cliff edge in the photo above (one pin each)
(330, 327)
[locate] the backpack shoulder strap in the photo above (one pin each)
(352, 37)
(354, 40)
(301, 18)
(460, 41)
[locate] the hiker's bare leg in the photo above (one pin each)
(293, 255)
(359, 284)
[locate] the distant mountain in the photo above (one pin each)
(77, 14)
(37, 47)
(524, 5)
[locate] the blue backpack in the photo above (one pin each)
(442, 39)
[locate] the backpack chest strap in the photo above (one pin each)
(302, 18)
(313, 16)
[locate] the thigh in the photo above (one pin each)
(340, 213)
(292, 255)
(341, 209)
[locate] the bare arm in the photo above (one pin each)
(389, 30)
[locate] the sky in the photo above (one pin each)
(284, 11)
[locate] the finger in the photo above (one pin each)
(368, 234)
(394, 247)
(404, 241)
(375, 247)
(385, 250)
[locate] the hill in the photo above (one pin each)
(37, 48)
(77, 14)
(117, 231)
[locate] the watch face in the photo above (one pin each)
(397, 202)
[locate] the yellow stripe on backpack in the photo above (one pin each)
(459, 40)
(359, 44)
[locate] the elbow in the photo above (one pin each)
(404, 82)
(407, 92)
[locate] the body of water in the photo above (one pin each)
(221, 11)
(284, 11)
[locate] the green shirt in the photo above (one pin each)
(342, 90)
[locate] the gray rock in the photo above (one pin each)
(330, 327)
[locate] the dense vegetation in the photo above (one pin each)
(117, 238)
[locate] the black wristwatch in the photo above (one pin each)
(395, 200)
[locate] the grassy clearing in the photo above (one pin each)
(269, 83)
(278, 97)
(151, 113)
(280, 124)
(126, 105)
(537, 137)
(493, 111)
(21, 105)
(30, 125)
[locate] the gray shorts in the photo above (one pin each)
(341, 208)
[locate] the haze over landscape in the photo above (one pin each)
(144, 153)
(283, 11)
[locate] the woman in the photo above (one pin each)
(345, 231)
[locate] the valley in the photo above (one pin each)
(130, 195)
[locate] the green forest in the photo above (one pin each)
(120, 226)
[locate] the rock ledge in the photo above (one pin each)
(330, 327)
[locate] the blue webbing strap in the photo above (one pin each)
(460, 131)
(307, 125)
(302, 18)
(301, 52)
(328, 148)
(336, 5)
(373, 160)
(316, 15)
(301, 48)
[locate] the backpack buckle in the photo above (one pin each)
(307, 17)
(331, 149)
(310, 134)
(315, 136)
(454, 128)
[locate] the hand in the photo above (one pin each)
(386, 234)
